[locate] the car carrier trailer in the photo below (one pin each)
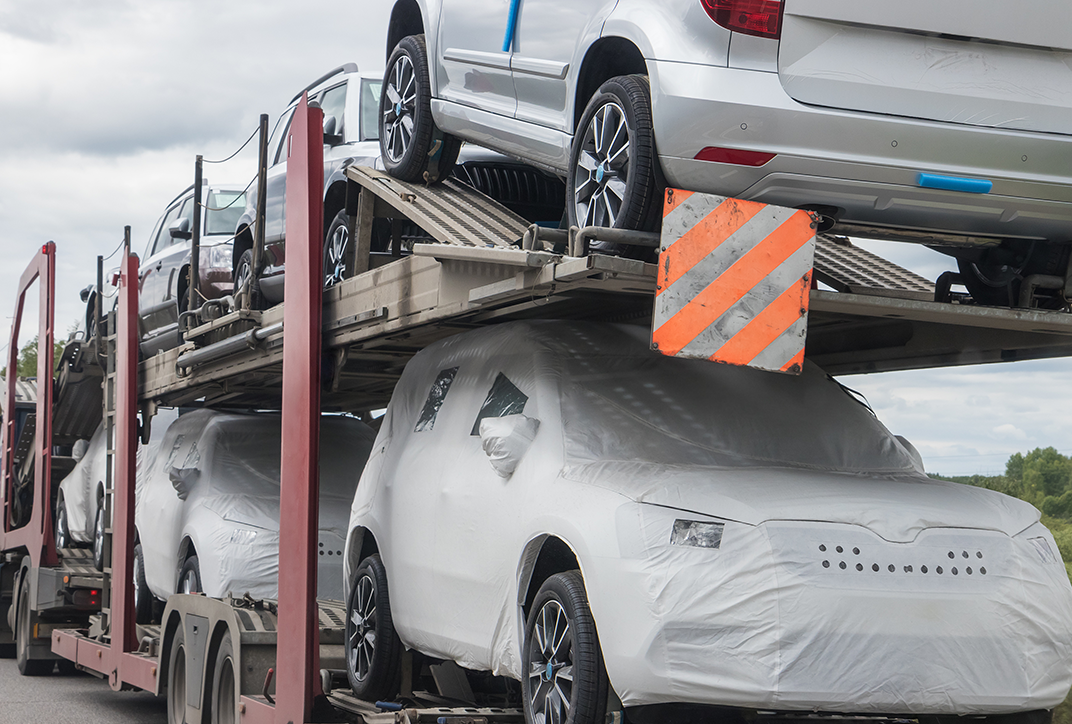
(247, 660)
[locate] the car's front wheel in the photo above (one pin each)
(612, 178)
(190, 576)
(412, 147)
(373, 650)
(564, 678)
(98, 537)
(243, 277)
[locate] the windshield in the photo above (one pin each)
(370, 109)
(223, 209)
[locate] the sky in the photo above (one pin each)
(105, 103)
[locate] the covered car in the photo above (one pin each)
(557, 503)
(80, 501)
(207, 510)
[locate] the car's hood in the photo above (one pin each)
(895, 507)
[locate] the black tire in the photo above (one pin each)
(176, 679)
(190, 576)
(372, 662)
(65, 667)
(62, 529)
(412, 147)
(336, 243)
(223, 696)
(27, 666)
(98, 537)
(609, 184)
(143, 598)
(575, 654)
(243, 271)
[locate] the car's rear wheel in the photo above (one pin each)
(335, 246)
(98, 537)
(243, 275)
(143, 598)
(412, 147)
(564, 678)
(63, 529)
(612, 179)
(373, 650)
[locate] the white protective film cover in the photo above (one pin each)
(79, 488)
(230, 463)
(505, 440)
(844, 578)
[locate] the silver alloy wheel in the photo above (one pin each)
(602, 173)
(63, 534)
(398, 118)
(98, 536)
(362, 644)
(187, 583)
(242, 276)
(335, 261)
(138, 576)
(551, 667)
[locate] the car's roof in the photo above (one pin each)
(188, 191)
(333, 76)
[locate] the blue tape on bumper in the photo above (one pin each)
(953, 183)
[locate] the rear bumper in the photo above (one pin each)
(867, 165)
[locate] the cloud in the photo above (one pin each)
(1009, 431)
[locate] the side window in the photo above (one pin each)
(503, 399)
(163, 238)
(370, 109)
(333, 103)
(275, 142)
(435, 399)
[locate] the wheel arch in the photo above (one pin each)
(360, 544)
(544, 556)
(243, 239)
(606, 58)
(334, 201)
(407, 18)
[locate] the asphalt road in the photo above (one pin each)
(75, 699)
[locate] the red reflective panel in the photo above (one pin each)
(735, 156)
(762, 18)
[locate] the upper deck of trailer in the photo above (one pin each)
(480, 264)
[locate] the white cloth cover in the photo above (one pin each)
(214, 482)
(505, 440)
(815, 599)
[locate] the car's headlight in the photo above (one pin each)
(1042, 546)
(697, 533)
(243, 536)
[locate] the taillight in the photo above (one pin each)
(736, 156)
(762, 18)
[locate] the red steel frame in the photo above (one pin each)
(297, 651)
(36, 536)
(298, 639)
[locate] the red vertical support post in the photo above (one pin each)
(298, 645)
(42, 511)
(126, 436)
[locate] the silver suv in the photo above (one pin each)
(949, 117)
(350, 100)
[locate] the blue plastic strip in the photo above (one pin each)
(954, 183)
(511, 25)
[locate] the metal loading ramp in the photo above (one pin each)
(467, 267)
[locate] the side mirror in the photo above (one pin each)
(331, 135)
(84, 294)
(505, 440)
(183, 479)
(79, 450)
(180, 229)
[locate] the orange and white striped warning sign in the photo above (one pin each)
(733, 281)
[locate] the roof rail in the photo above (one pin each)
(344, 68)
